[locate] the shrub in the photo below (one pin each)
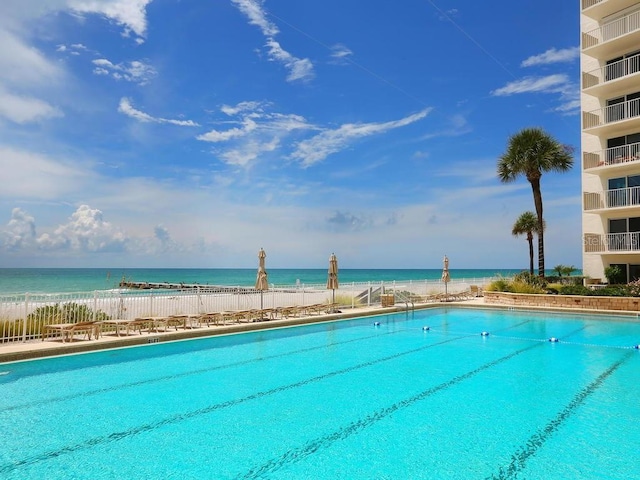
(575, 290)
(499, 285)
(530, 279)
(522, 287)
(613, 274)
(68, 312)
(347, 300)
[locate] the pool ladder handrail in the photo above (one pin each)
(405, 300)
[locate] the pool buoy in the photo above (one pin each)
(553, 340)
(485, 334)
(376, 324)
(426, 329)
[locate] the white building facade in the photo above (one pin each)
(610, 103)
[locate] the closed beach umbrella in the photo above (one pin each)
(262, 282)
(446, 277)
(332, 279)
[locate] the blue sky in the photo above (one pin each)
(191, 133)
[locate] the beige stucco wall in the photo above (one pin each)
(631, 304)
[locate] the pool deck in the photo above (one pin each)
(19, 351)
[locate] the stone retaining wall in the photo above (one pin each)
(563, 301)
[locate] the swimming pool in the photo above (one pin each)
(339, 400)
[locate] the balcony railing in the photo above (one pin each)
(590, 3)
(612, 242)
(612, 156)
(616, 198)
(611, 30)
(611, 113)
(612, 71)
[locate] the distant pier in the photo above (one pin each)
(183, 287)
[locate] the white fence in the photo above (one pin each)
(23, 316)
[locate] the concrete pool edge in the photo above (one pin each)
(14, 352)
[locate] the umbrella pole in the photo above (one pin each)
(261, 294)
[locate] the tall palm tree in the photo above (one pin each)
(530, 153)
(527, 223)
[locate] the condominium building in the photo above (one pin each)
(610, 102)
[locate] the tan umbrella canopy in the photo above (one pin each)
(262, 282)
(332, 279)
(446, 277)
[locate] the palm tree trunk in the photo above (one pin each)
(530, 240)
(537, 200)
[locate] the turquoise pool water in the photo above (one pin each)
(340, 400)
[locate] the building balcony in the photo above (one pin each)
(613, 158)
(622, 243)
(618, 36)
(613, 79)
(619, 199)
(598, 9)
(612, 119)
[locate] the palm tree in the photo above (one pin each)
(531, 152)
(527, 223)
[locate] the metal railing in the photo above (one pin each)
(612, 156)
(612, 113)
(612, 242)
(612, 71)
(590, 3)
(615, 198)
(611, 30)
(23, 316)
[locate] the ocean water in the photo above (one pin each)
(62, 280)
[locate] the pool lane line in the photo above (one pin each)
(186, 374)
(537, 440)
(203, 370)
(297, 454)
(180, 417)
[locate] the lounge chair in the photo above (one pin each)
(476, 291)
(286, 312)
(68, 330)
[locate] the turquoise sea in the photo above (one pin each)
(61, 280)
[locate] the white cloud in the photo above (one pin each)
(24, 109)
(248, 125)
(257, 16)
(550, 83)
(340, 54)
(259, 132)
(558, 83)
(324, 144)
(38, 177)
(242, 107)
(552, 56)
(22, 65)
(249, 152)
(20, 232)
(130, 14)
(127, 109)
(86, 231)
(135, 71)
(299, 68)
